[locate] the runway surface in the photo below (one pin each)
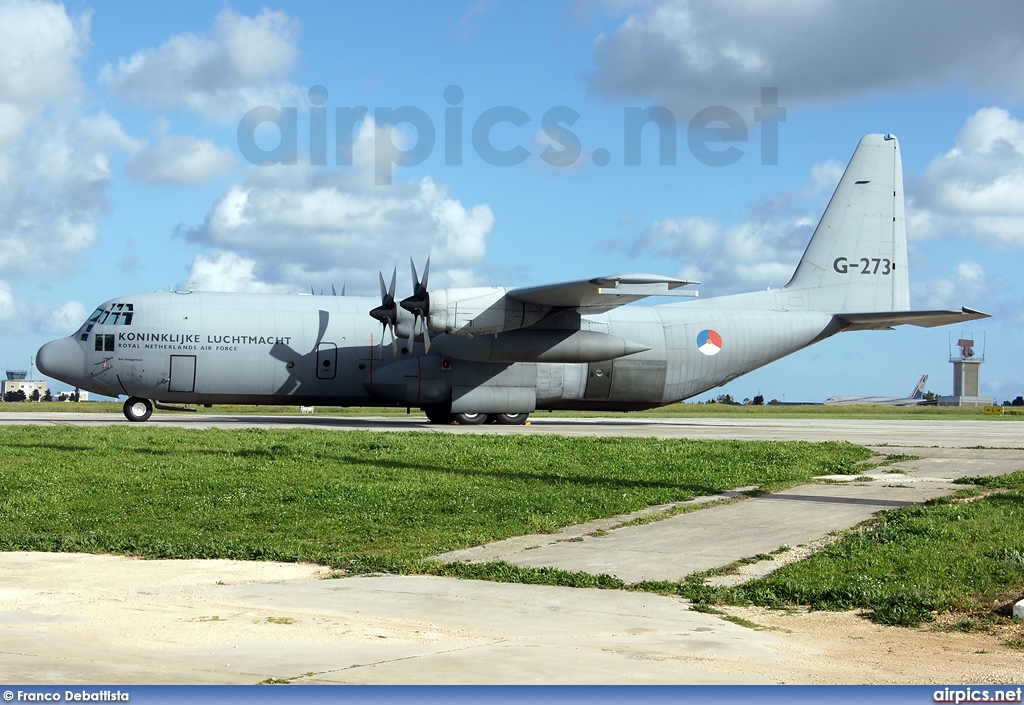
(68, 618)
(995, 433)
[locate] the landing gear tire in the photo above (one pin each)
(470, 419)
(439, 414)
(509, 419)
(137, 409)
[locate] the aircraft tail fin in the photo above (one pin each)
(856, 260)
(918, 392)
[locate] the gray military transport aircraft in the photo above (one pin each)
(497, 354)
(915, 398)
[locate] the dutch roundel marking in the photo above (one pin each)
(709, 342)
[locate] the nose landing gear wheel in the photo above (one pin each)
(137, 409)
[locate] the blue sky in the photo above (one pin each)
(120, 167)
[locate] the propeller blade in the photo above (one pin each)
(333, 292)
(311, 292)
(426, 338)
(384, 329)
(391, 291)
(343, 285)
(426, 274)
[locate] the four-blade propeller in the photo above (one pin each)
(419, 304)
(387, 312)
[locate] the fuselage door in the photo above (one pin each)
(326, 360)
(183, 374)
(599, 380)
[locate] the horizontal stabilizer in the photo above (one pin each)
(602, 293)
(885, 320)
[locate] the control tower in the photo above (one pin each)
(966, 362)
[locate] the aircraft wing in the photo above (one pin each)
(885, 320)
(602, 293)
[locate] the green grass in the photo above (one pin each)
(963, 553)
(360, 500)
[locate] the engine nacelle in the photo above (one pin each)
(479, 311)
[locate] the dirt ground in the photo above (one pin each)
(846, 648)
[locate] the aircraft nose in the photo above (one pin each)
(62, 359)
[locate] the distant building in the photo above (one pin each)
(66, 396)
(16, 381)
(966, 376)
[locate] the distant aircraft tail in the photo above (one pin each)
(918, 392)
(856, 261)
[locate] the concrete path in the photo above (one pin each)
(716, 536)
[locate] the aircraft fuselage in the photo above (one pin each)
(212, 348)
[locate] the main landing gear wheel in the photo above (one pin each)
(509, 419)
(137, 409)
(470, 419)
(438, 413)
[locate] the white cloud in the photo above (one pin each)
(300, 226)
(727, 259)
(319, 232)
(975, 189)
(226, 271)
(242, 63)
(20, 316)
(824, 177)
(969, 283)
(969, 271)
(180, 160)
(40, 45)
(54, 187)
(54, 158)
(8, 305)
(676, 236)
(65, 319)
(690, 55)
(761, 252)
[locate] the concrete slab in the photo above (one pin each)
(105, 619)
(676, 547)
(673, 548)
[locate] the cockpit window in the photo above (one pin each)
(119, 314)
